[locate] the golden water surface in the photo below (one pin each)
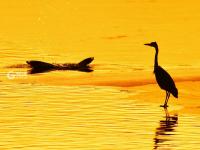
(115, 107)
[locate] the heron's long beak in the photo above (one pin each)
(147, 44)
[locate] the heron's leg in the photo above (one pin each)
(167, 98)
(164, 105)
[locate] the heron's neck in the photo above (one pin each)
(156, 58)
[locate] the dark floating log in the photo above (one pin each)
(40, 66)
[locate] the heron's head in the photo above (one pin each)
(152, 44)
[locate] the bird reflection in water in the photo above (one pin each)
(165, 130)
(42, 70)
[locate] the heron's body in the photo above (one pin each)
(163, 78)
(165, 81)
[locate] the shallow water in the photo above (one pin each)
(117, 105)
(89, 117)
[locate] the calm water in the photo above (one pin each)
(114, 107)
(89, 117)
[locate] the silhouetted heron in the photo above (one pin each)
(163, 78)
